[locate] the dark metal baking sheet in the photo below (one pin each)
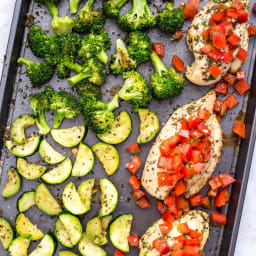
(15, 88)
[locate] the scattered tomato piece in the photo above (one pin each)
(240, 74)
(133, 240)
(254, 7)
(168, 217)
(252, 30)
(221, 198)
(234, 39)
(212, 192)
(171, 202)
(137, 194)
(180, 188)
(161, 207)
(214, 70)
(134, 165)
(195, 200)
(182, 204)
(229, 78)
(161, 245)
(242, 16)
(226, 179)
(165, 228)
(215, 183)
(168, 144)
(218, 219)
(221, 88)
(158, 48)
(134, 182)
(217, 106)
(231, 101)
(203, 114)
(183, 228)
(119, 253)
(178, 63)
(189, 10)
(239, 129)
(242, 54)
(177, 35)
(134, 148)
(144, 203)
(242, 86)
(206, 202)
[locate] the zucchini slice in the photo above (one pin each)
(149, 125)
(95, 232)
(46, 247)
(26, 200)
(84, 161)
(62, 234)
(105, 222)
(72, 201)
(120, 130)
(12, 187)
(109, 197)
(58, 174)
(28, 170)
(73, 226)
(49, 154)
(19, 246)
(45, 201)
(69, 137)
(19, 125)
(85, 191)
(28, 148)
(25, 227)
(108, 157)
(6, 233)
(87, 248)
(119, 230)
(67, 253)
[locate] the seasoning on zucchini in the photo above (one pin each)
(85, 191)
(6, 233)
(149, 125)
(46, 247)
(62, 234)
(84, 161)
(12, 187)
(19, 246)
(19, 125)
(108, 157)
(119, 131)
(26, 200)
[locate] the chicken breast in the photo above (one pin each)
(149, 177)
(198, 72)
(196, 220)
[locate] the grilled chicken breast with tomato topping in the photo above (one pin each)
(195, 219)
(172, 127)
(198, 72)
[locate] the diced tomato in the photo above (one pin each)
(221, 198)
(217, 106)
(134, 182)
(206, 49)
(204, 129)
(218, 16)
(214, 70)
(254, 7)
(195, 235)
(119, 253)
(242, 54)
(184, 133)
(158, 48)
(219, 40)
(168, 217)
(176, 152)
(242, 86)
(195, 200)
(165, 162)
(240, 74)
(182, 204)
(194, 3)
(232, 47)
(238, 5)
(231, 101)
(206, 35)
(178, 63)
(196, 156)
(218, 219)
(180, 188)
(203, 114)
(134, 148)
(189, 11)
(186, 150)
(206, 202)
(252, 30)
(193, 122)
(161, 207)
(134, 165)
(215, 183)
(227, 57)
(172, 204)
(133, 240)
(144, 203)
(242, 16)
(196, 134)
(232, 13)
(177, 35)
(228, 28)
(166, 179)
(239, 129)
(194, 143)
(221, 88)
(177, 164)
(183, 228)
(165, 228)
(229, 78)
(161, 245)
(197, 168)
(168, 144)
(187, 171)
(137, 194)
(224, 109)
(226, 179)
(212, 192)
(204, 146)
(192, 242)
(234, 39)
(184, 124)
(215, 54)
(218, 28)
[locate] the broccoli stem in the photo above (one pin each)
(58, 120)
(73, 6)
(42, 124)
(119, 3)
(114, 103)
(73, 66)
(88, 5)
(53, 10)
(77, 78)
(141, 6)
(102, 56)
(24, 61)
(158, 64)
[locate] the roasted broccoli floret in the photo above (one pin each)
(139, 46)
(139, 17)
(95, 44)
(61, 26)
(121, 61)
(98, 115)
(165, 82)
(73, 6)
(38, 73)
(39, 103)
(66, 105)
(89, 19)
(93, 70)
(135, 89)
(111, 8)
(170, 19)
(87, 89)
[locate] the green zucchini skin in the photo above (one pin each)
(19, 246)
(12, 187)
(25, 201)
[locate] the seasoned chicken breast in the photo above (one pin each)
(197, 72)
(149, 177)
(196, 220)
